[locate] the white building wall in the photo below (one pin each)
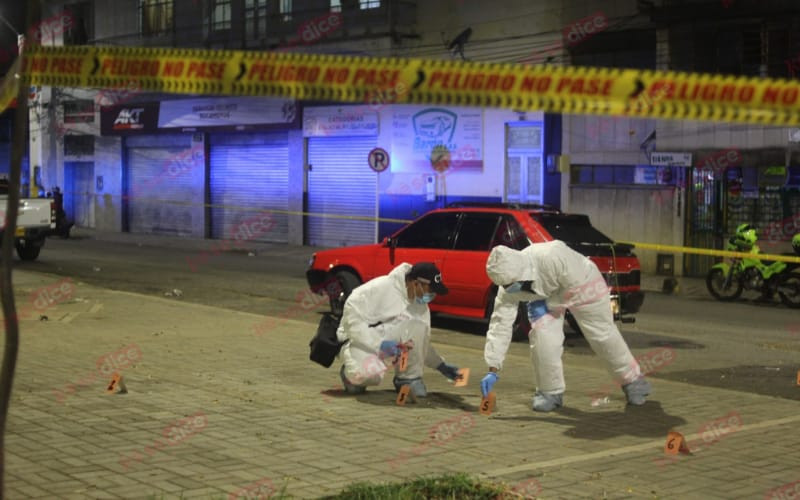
(108, 199)
(488, 183)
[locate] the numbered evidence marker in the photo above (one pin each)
(403, 395)
(487, 404)
(675, 444)
(117, 385)
(461, 382)
(402, 361)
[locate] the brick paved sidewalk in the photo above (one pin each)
(215, 411)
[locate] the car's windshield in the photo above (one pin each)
(569, 228)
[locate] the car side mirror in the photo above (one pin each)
(386, 241)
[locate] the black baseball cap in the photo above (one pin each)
(428, 273)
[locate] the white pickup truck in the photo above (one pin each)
(35, 221)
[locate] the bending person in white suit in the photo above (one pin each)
(552, 277)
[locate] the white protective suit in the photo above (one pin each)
(566, 279)
(384, 300)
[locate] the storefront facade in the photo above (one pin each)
(204, 167)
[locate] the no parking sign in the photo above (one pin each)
(378, 159)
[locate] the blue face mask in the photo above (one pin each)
(514, 287)
(426, 298)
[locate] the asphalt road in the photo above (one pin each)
(740, 346)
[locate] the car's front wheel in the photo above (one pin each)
(342, 285)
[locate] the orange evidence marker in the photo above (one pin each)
(402, 363)
(487, 404)
(461, 382)
(117, 384)
(798, 378)
(402, 396)
(675, 444)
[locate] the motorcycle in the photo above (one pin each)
(726, 281)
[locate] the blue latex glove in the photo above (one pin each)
(389, 348)
(536, 309)
(449, 371)
(488, 382)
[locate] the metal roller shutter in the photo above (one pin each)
(250, 174)
(161, 190)
(340, 182)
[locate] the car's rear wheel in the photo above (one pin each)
(28, 250)
(343, 284)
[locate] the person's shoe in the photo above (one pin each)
(418, 388)
(351, 388)
(547, 402)
(637, 391)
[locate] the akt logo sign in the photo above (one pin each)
(129, 118)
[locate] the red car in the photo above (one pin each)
(458, 239)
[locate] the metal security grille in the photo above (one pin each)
(340, 182)
(161, 190)
(248, 175)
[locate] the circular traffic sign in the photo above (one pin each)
(440, 158)
(378, 159)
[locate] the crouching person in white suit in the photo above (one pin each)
(383, 315)
(552, 277)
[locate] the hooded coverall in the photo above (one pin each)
(567, 280)
(383, 303)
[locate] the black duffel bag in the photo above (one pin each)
(325, 345)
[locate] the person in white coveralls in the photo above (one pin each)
(552, 277)
(382, 316)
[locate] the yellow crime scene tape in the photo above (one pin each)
(638, 245)
(579, 90)
(562, 89)
(712, 252)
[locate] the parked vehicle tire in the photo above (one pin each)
(715, 282)
(344, 283)
(789, 290)
(27, 250)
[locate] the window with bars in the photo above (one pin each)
(220, 15)
(616, 49)
(336, 5)
(286, 10)
(79, 111)
(156, 17)
(80, 28)
(369, 4)
(753, 49)
(255, 12)
(78, 145)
